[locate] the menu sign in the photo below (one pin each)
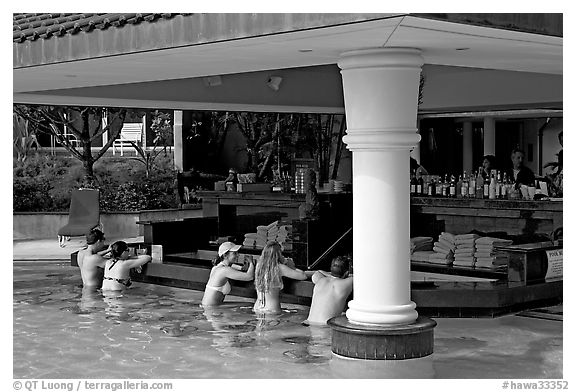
(555, 269)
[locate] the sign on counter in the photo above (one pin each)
(555, 269)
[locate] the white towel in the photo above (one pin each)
(478, 254)
(441, 256)
(421, 256)
(493, 241)
(439, 249)
(466, 236)
(464, 252)
(446, 244)
(448, 236)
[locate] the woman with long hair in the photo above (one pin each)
(218, 286)
(117, 269)
(268, 278)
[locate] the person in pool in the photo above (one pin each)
(270, 269)
(331, 290)
(91, 260)
(218, 286)
(117, 269)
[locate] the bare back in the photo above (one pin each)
(91, 268)
(329, 298)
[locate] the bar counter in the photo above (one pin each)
(431, 215)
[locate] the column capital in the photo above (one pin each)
(381, 140)
(381, 57)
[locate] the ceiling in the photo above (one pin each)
(442, 43)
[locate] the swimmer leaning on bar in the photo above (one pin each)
(117, 269)
(218, 286)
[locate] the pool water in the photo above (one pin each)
(151, 331)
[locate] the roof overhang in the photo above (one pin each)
(176, 54)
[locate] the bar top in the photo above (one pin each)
(545, 205)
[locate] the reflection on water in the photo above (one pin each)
(151, 331)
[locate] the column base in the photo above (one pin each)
(413, 340)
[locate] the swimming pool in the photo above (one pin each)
(151, 331)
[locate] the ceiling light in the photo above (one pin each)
(462, 49)
(211, 81)
(304, 50)
(274, 82)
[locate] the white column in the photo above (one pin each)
(467, 147)
(178, 141)
(381, 102)
(489, 136)
(415, 153)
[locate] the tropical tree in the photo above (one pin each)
(83, 123)
(163, 131)
(23, 139)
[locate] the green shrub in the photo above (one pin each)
(45, 183)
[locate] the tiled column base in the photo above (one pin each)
(414, 340)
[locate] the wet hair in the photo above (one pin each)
(118, 248)
(339, 266)
(491, 159)
(94, 236)
(267, 274)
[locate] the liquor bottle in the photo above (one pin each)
(438, 189)
(445, 187)
(499, 186)
(479, 184)
(431, 188)
(463, 186)
(486, 189)
(452, 187)
(413, 183)
(492, 187)
(472, 185)
(419, 185)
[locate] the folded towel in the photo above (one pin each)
(251, 235)
(482, 247)
(484, 254)
(470, 259)
(465, 242)
(440, 261)
(463, 264)
(448, 236)
(493, 259)
(419, 240)
(493, 241)
(466, 236)
(271, 225)
(464, 252)
(421, 255)
(421, 247)
(441, 256)
(439, 249)
(446, 244)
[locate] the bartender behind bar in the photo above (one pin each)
(520, 173)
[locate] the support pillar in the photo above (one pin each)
(489, 136)
(381, 102)
(467, 147)
(178, 141)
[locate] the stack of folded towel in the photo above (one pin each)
(465, 248)
(418, 244)
(444, 249)
(272, 232)
(422, 256)
(284, 237)
(250, 240)
(487, 256)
